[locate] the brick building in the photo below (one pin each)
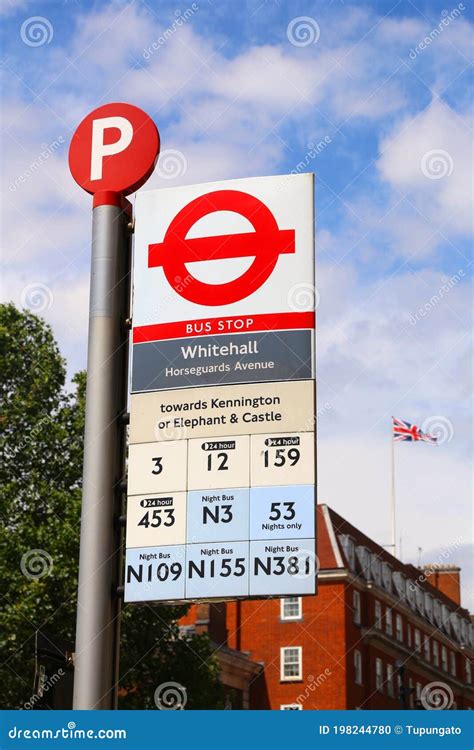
(376, 634)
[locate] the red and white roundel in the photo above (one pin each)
(114, 149)
(264, 244)
(239, 248)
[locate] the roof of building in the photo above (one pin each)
(342, 545)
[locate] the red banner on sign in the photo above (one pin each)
(219, 326)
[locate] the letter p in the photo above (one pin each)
(100, 149)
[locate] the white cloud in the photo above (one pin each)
(432, 504)
(10, 7)
(430, 156)
(379, 356)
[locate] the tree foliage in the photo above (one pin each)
(41, 443)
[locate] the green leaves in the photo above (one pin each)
(42, 426)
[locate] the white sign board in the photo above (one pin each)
(221, 477)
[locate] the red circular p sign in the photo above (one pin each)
(114, 151)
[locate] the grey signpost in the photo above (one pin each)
(110, 168)
(98, 607)
(246, 442)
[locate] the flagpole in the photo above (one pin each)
(392, 507)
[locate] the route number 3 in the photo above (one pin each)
(158, 465)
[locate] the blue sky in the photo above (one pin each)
(249, 88)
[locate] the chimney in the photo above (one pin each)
(446, 578)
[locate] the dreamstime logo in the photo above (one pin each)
(37, 297)
(36, 563)
(446, 553)
(303, 564)
(436, 164)
(446, 18)
(314, 149)
(164, 430)
(44, 685)
(172, 164)
(437, 696)
(181, 18)
(36, 31)
(439, 427)
(38, 429)
(312, 684)
(47, 150)
(303, 298)
(170, 696)
(303, 31)
(159, 306)
(446, 287)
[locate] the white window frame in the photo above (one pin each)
(358, 676)
(426, 649)
(435, 649)
(468, 670)
(378, 614)
(357, 606)
(452, 663)
(444, 658)
(399, 628)
(417, 640)
(298, 616)
(390, 686)
(418, 690)
(291, 678)
(291, 707)
(378, 674)
(388, 621)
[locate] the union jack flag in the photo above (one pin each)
(406, 431)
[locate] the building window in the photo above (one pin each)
(291, 608)
(291, 707)
(408, 635)
(435, 648)
(390, 680)
(399, 627)
(357, 667)
(444, 658)
(388, 621)
(417, 640)
(291, 663)
(426, 648)
(378, 615)
(356, 606)
(418, 691)
(452, 656)
(379, 675)
(468, 672)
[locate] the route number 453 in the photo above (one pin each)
(156, 518)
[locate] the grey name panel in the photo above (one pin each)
(222, 360)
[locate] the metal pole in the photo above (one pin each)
(393, 514)
(98, 608)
